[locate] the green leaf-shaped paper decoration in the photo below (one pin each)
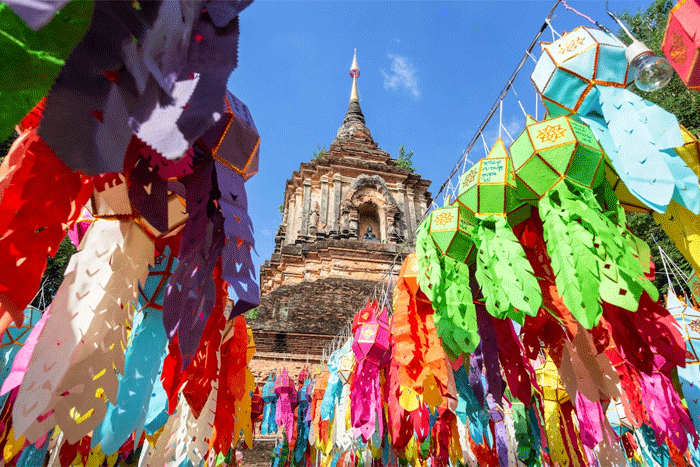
(429, 264)
(573, 254)
(456, 321)
(593, 255)
(505, 275)
(30, 60)
(446, 283)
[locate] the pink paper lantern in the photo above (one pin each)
(372, 337)
(681, 43)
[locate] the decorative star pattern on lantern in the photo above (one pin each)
(681, 44)
(489, 188)
(546, 153)
(637, 136)
(451, 232)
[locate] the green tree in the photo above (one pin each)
(56, 266)
(649, 26)
(404, 160)
(645, 228)
(5, 146)
(53, 276)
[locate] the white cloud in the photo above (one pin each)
(402, 76)
(512, 126)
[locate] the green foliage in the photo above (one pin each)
(56, 266)
(505, 275)
(322, 151)
(646, 229)
(53, 276)
(251, 314)
(5, 146)
(404, 159)
(649, 26)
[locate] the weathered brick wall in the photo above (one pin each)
(319, 307)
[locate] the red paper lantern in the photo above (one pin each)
(681, 43)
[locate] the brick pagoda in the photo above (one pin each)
(326, 264)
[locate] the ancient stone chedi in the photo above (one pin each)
(346, 216)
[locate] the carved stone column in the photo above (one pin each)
(335, 214)
(288, 220)
(306, 210)
(298, 212)
(411, 214)
(401, 198)
(323, 226)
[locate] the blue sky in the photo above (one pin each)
(430, 71)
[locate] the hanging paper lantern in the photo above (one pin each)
(569, 66)
(586, 72)
(257, 405)
(371, 349)
(269, 423)
(489, 188)
(233, 140)
(346, 365)
(547, 152)
(372, 341)
(284, 387)
(451, 231)
(681, 43)
(688, 319)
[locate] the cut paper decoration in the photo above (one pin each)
(111, 85)
(85, 334)
(21, 360)
(13, 340)
(144, 357)
(236, 384)
(372, 350)
(503, 272)
(269, 396)
(191, 292)
(237, 264)
(489, 188)
(585, 71)
(586, 274)
(688, 319)
(445, 282)
(36, 13)
(204, 368)
(32, 54)
(284, 388)
(681, 43)
(33, 221)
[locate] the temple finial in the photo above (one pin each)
(354, 111)
(353, 126)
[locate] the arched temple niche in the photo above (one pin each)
(369, 202)
(369, 217)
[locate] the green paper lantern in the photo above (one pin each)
(489, 188)
(547, 152)
(451, 232)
